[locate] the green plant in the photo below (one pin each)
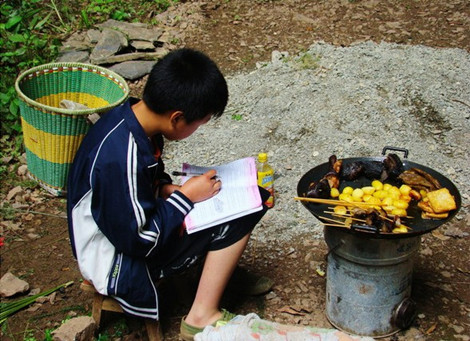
(237, 117)
(25, 41)
(307, 61)
(99, 10)
(10, 308)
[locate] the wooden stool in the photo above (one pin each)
(105, 303)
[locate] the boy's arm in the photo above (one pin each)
(124, 204)
(167, 189)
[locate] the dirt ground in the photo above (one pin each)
(237, 34)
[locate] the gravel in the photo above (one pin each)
(349, 101)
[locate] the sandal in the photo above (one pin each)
(187, 331)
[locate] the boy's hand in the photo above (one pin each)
(200, 188)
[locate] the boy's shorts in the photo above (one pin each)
(184, 251)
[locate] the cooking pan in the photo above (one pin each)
(417, 224)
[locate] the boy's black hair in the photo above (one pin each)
(189, 81)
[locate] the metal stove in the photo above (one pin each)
(369, 273)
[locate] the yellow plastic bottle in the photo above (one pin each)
(266, 177)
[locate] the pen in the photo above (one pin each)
(176, 173)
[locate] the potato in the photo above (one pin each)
(357, 193)
(345, 197)
(368, 190)
(398, 212)
(400, 204)
(378, 185)
(334, 192)
(400, 229)
(405, 189)
(394, 192)
(381, 194)
(340, 210)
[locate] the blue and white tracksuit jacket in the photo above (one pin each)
(115, 222)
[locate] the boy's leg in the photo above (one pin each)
(218, 268)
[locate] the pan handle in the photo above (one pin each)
(403, 150)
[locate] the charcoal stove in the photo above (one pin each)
(369, 273)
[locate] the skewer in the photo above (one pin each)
(336, 225)
(350, 217)
(333, 220)
(335, 202)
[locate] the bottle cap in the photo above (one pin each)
(262, 157)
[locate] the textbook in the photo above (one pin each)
(238, 196)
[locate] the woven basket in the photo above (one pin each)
(52, 134)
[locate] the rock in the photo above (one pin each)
(11, 285)
(78, 41)
(119, 58)
(18, 190)
(134, 31)
(142, 45)
(22, 170)
(111, 42)
(453, 231)
(107, 44)
(74, 56)
(278, 57)
(76, 329)
(93, 36)
(33, 236)
(133, 69)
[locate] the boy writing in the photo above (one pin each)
(126, 216)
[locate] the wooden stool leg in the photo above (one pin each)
(96, 309)
(154, 330)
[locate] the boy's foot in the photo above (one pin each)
(247, 283)
(187, 331)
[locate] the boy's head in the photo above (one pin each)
(186, 80)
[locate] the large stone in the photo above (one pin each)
(93, 36)
(141, 45)
(119, 58)
(110, 43)
(133, 69)
(74, 56)
(134, 31)
(11, 285)
(78, 41)
(77, 329)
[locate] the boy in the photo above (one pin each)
(126, 216)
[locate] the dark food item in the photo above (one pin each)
(390, 168)
(375, 218)
(373, 169)
(335, 164)
(419, 179)
(352, 171)
(321, 189)
(393, 167)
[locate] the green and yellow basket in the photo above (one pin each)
(53, 134)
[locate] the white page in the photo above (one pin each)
(238, 196)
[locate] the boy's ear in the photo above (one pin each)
(175, 117)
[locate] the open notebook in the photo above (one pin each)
(239, 195)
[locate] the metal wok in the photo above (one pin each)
(416, 223)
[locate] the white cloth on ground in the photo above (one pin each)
(252, 328)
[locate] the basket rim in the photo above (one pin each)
(95, 68)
